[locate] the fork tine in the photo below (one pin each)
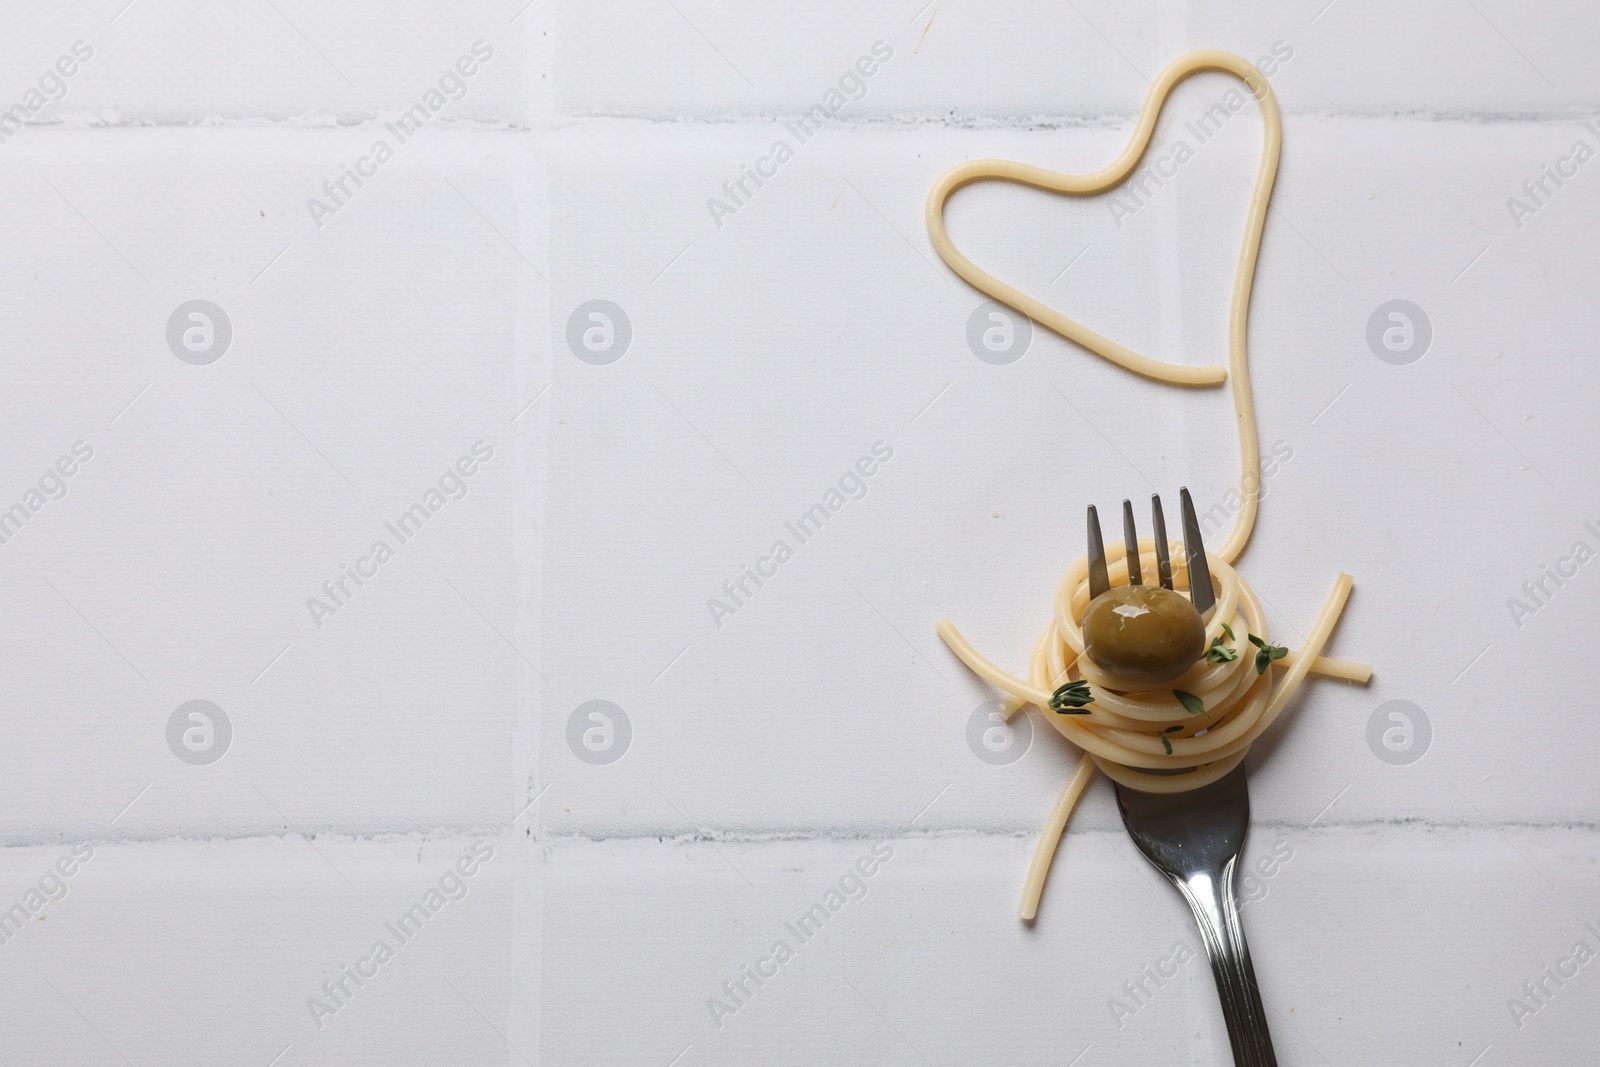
(1163, 560)
(1099, 581)
(1130, 543)
(1200, 591)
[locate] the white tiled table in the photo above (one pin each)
(762, 754)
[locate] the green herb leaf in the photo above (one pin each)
(1254, 640)
(1191, 703)
(1229, 631)
(1172, 729)
(1266, 654)
(1166, 744)
(1221, 653)
(1071, 696)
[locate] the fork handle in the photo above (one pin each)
(1216, 912)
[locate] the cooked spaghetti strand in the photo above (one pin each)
(1050, 837)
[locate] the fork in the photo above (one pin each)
(1195, 837)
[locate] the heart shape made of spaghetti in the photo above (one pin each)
(1107, 179)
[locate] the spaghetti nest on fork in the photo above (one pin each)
(1189, 731)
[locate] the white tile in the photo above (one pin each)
(1487, 58)
(210, 951)
(367, 358)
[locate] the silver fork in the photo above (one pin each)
(1195, 838)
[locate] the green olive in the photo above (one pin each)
(1143, 633)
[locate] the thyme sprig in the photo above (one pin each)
(1072, 699)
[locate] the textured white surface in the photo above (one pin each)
(765, 752)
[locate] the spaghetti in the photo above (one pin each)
(1128, 732)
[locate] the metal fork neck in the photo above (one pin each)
(1211, 897)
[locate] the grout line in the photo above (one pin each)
(895, 122)
(653, 835)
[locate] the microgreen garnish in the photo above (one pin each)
(1166, 744)
(1266, 653)
(1229, 631)
(1172, 729)
(1191, 703)
(1221, 653)
(1071, 698)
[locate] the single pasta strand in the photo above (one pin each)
(1050, 838)
(1343, 669)
(1321, 628)
(980, 666)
